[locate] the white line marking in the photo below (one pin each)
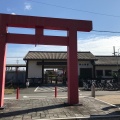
(36, 89)
(10, 98)
(25, 96)
(59, 95)
(81, 96)
(107, 103)
(51, 89)
(41, 91)
(66, 95)
(34, 96)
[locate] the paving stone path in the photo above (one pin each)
(56, 108)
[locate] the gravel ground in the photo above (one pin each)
(112, 99)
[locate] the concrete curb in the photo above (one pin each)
(110, 117)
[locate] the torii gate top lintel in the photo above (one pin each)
(45, 22)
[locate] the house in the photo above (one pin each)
(15, 73)
(89, 65)
(105, 66)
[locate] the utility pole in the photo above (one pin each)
(114, 53)
(17, 90)
(118, 65)
(117, 60)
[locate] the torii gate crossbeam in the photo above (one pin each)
(39, 24)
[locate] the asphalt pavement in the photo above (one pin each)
(50, 92)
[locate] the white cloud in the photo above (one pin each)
(27, 6)
(96, 45)
(13, 13)
(99, 45)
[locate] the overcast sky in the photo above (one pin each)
(105, 15)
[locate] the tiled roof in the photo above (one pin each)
(107, 60)
(56, 55)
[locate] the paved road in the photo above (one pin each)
(43, 92)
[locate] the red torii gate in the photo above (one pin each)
(39, 24)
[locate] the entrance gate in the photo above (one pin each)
(39, 24)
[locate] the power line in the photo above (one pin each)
(14, 57)
(105, 31)
(110, 15)
(15, 60)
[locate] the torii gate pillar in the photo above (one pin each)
(39, 24)
(2, 61)
(72, 67)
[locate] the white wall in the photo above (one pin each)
(113, 68)
(84, 64)
(34, 70)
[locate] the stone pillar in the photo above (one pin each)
(26, 74)
(43, 71)
(72, 67)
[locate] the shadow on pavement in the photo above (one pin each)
(37, 109)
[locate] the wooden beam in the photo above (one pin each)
(31, 39)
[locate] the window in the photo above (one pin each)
(114, 72)
(108, 72)
(99, 72)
